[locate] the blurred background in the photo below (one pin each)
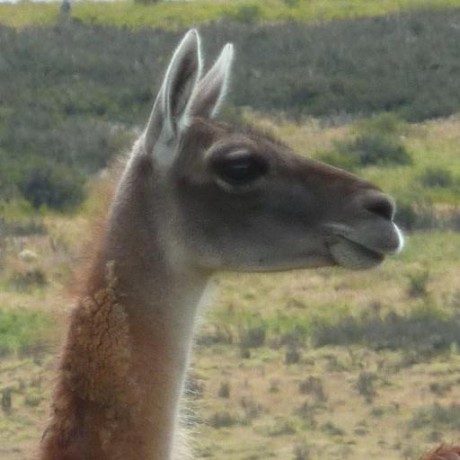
(298, 365)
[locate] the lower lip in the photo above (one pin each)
(349, 254)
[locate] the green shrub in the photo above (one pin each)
(301, 452)
(250, 410)
(331, 429)
(224, 390)
(454, 223)
(418, 283)
(366, 385)
(52, 186)
(406, 215)
(370, 150)
(282, 427)
(292, 356)
(222, 419)
(423, 214)
(437, 177)
(377, 142)
(34, 398)
(247, 14)
(440, 388)
(416, 213)
(252, 336)
(314, 386)
(6, 400)
(24, 280)
(386, 125)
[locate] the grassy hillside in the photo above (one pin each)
(72, 93)
(173, 15)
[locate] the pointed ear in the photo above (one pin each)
(211, 90)
(170, 112)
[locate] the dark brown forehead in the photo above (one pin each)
(206, 132)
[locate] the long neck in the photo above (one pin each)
(124, 363)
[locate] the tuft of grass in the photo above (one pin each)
(282, 427)
(224, 390)
(313, 386)
(301, 451)
(437, 417)
(366, 385)
(418, 283)
(331, 429)
(23, 331)
(28, 279)
(222, 419)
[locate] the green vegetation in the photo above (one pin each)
(437, 417)
(23, 331)
(377, 143)
(72, 93)
(21, 225)
(167, 15)
(437, 177)
(55, 187)
(427, 330)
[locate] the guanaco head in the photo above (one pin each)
(235, 198)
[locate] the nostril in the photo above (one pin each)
(381, 205)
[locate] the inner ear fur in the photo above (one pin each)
(212, 88)
(170, 111)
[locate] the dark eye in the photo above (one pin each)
(240, 169)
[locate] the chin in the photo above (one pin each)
(298, 263)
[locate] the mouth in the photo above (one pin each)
(355, 254)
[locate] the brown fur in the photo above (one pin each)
(89, 251)
(443, 452)
(104, 401)
(95, 369)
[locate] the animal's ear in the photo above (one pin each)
(170, 113)
(211, 90)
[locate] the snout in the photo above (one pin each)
(376, 230)
(378, 203)
(368, 234)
